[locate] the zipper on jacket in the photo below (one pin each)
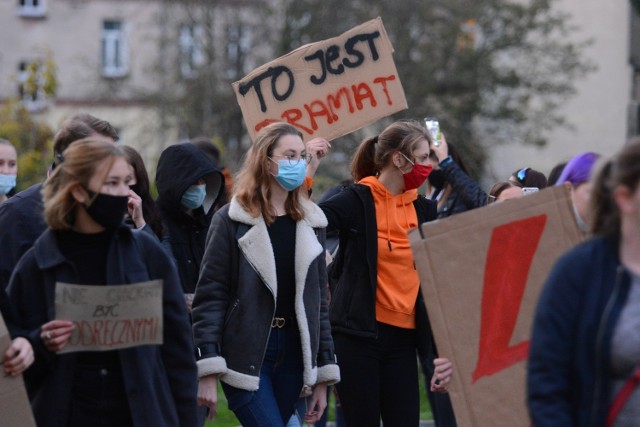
(266, 344)
(599, 338)
(233, 307)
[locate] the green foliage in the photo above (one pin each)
(41, 78)
(492, 71)
(32, 139)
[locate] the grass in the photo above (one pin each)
(226, 418)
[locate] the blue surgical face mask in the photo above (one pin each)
(7, 182)
(291, 177)
(194, 196)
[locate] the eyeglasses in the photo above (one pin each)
(293, 160)
(521, 175)
(421, 160)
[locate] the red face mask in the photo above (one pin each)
(416, 176)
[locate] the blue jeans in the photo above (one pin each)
(280, 383)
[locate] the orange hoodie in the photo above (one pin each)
(398, 281)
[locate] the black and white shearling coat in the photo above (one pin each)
(235, 298)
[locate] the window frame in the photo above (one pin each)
(32, 101)
(114, 51)
(191, 49)
(27, 8)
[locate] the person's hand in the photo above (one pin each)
(134, 206)
(208, 394)
(441, 375)
(442, 151)
(56, 333)
(318, 148)
(18, 357)
(318, 403)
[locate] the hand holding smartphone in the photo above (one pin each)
(433, 126)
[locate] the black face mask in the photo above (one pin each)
(437, 178)
(107, 210)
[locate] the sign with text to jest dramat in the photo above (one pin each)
(328, 88)
(481, 273)
(15, 409)
(111, 317)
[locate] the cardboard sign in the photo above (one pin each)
(329, 88)
(15, 409)
(481, 273)
(111, 317)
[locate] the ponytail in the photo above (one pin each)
(364, 160)
(375, 153)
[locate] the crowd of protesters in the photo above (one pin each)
(255, 300)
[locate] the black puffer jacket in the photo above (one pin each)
(179, 167)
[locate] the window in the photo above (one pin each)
(238, 44)
(191, 50)
(114, 50)
(32, 8)
(31, 85)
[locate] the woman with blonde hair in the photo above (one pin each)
(260, 319)
(87, 243)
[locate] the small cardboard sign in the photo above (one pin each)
(481, 273)
(15, 409)
(111, 317)
(328, 88)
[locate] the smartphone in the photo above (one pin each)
(529, 190)
(433, 126)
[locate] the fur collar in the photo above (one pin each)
(313, 215)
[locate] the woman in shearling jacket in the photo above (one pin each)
(260, 317)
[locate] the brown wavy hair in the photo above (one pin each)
(150, 210)
(78, 127)
(623, 170)
(252, 186)
(81, 159)
(375, 153)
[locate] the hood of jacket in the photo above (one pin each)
(180, 166)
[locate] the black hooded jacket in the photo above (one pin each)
(179, 167)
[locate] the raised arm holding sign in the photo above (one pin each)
(329, 88)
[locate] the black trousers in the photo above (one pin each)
(99, 398)
(379, 378)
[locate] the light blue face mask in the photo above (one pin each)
(7, 182)
(194, 196)
(290, 176)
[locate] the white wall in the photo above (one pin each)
(598, 111)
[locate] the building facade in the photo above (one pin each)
(128, 61)
(125, 61)
(601, 113)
